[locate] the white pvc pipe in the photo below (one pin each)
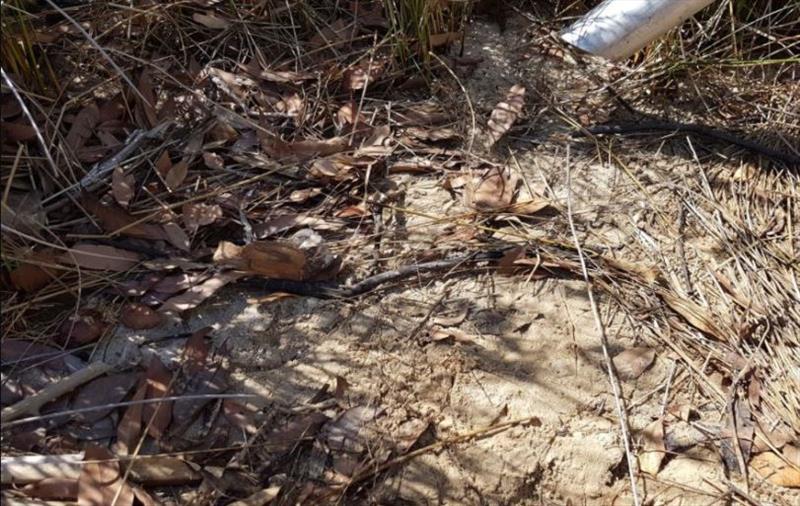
(616, 29)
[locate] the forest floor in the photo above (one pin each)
(484, 385)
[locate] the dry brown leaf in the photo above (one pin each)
(222, 132)
(457, 335)
(631, 363)
(176, 236)
(302, 150)
(694, 314)
(505, 114)
(408, 433)
(164, 164)
(274, 260)
(746, 303)
(83, 127)
(197, 214)
(431, 134)
(530, 207)
(282, 223)
(507, 265)
(646, 271)
(145, 498)
(130, 426)
(101, 481)
(348, 115)
(53, 488)
(177, 174)
(111, 110)
(260, 498)
(211, 21)
(99, 257)
(139, 317)
(300, 196)
(776, 437)
(17, 132)
(104, 392)
(355, 211)
(107, 140)
(783, 471)
(451, 317)
(122, 186)
(236, 85)
(378, 143)
(213, 161)
(85, 327)
(653, 450)
(331, 35)
(195, 295)
(350, 431)
(359, 77)
(442, 39)
(292, 106)
(196, 351)
(337, 167)
(163, 471)
(29, 277)
(113, 218)
(340, 167)
(491, 189)
(157, 416)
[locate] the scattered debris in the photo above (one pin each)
(631, 363)
(326, 152)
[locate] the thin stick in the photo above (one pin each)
(615, 386)
(126, 403)
(31, 404)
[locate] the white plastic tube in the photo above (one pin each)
(616, 29)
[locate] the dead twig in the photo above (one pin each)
(125, 404)
(32, 404)
(615, 386)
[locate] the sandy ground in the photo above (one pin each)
(522, 348)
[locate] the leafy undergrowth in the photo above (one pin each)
(262, 141)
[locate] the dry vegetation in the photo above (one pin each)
(154, 153)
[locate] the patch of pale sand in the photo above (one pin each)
(528, 349)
